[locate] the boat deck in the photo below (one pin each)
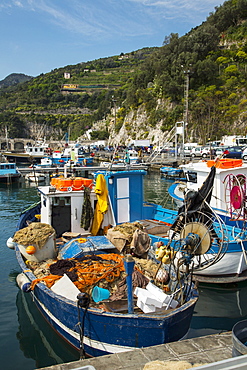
(206, 349)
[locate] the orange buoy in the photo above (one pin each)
(88, 182)
(225, 163)
(78, 183)
(30, 249)
(63, 184)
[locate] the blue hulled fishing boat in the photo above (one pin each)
(109, 271)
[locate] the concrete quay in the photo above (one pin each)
(200, 350)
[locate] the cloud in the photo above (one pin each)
(179, 9)
(94, 19)
(111, 18)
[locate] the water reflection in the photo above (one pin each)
(37, 340)
(218, 309)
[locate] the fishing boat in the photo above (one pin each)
(229, 202)
(31, 153)
(229, 188)
(8, 173)
(72, 158)
(111, 272)
(79, 221)
(172, 173)
(130, 161)
(36, 177)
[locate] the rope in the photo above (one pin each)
(83, 302)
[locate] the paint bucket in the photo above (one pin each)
(99, 294)
(239, 338)
(78, 183)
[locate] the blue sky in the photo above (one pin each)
(40, 35)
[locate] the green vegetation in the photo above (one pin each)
(212, 56)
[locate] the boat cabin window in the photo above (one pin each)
(191, 176)
(61, 201)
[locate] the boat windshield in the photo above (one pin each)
(191, 176)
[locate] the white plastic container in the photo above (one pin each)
(146, 308)
(147, 298)
(161, 296)
(46, 252)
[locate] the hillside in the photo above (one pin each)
(14, 79)
(199, 78)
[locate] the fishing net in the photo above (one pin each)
(37, 234)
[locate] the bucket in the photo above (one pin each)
(239, 338)
(78, 183)
(63, 184)
(99, 294)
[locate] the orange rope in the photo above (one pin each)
(89, 275)
(48, 280)
(90, 272)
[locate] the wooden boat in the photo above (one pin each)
(114, 326)
(229, 202)
(158, 312)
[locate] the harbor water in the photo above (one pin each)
(28, 342)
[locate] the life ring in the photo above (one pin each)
(236, 197)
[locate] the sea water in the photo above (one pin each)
(28, 342)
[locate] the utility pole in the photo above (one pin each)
(187, 72)
(114, 104)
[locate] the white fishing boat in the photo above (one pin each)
(31, 153)
(229, 188)
(36, 177)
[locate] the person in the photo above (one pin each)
(127, 157)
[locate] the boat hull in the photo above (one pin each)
(109, 332)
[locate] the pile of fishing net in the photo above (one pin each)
(130, 238)
(104, 270)
(37, 233)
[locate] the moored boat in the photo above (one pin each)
(9, 173)
(36, 177)
(86, 219)
(172, 173)
(31, 153)
(229, 189)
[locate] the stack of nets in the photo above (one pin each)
(37, 233)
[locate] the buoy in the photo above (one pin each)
(23, 282)
(30, 249)
(10, 243)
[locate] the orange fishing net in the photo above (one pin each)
(90, 272)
